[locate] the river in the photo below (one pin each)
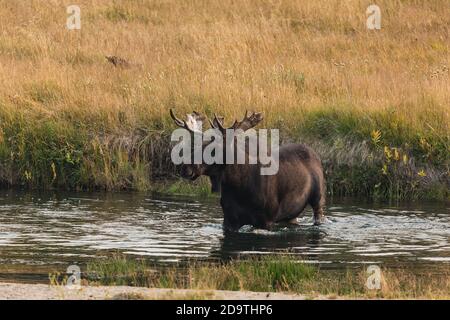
(41, 232)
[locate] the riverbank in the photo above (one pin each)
(279, 277)
(21, 291)
(216, 283)
(374, 104)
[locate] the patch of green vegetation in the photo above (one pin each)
(277, 273)
(370, 155)
(119, 270)
(46, 154)
(201, 188)
(426, 143)
(379, 154)
(269, 274)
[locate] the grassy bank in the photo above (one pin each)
(374, 104)
(269, 274)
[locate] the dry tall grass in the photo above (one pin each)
(290, 59)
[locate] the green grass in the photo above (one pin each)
(280, 273)
(121, 271)
(198, 188)
(427, 143)
(399, 162)
(257, 274)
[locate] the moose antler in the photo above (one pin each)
(217, 123)
(193, 122)
(248, 122)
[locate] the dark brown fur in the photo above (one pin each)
(249, 198)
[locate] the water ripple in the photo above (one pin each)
(75, 228)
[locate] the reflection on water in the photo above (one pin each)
(42, 231)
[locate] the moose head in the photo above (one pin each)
(194, 124)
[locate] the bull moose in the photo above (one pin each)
(249, 198)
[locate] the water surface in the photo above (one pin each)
(41, 232)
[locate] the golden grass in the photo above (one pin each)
(286, 58)
(223, 56)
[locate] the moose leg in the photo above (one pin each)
(317, 205)
(317, 199)
(319, 217)
(230, 220)
(233, 214)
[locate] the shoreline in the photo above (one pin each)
(26, 291)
